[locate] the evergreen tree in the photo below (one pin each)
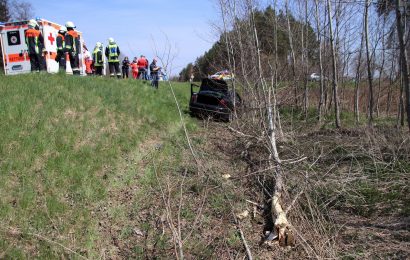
(216, 58)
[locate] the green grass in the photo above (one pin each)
(63, 141)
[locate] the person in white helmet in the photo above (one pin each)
(60, 58)
(98, 59)
(112, 52)
(35, 46)
(72, 47)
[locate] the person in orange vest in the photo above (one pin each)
(35, 44)
(72, 47)
(88, 63)
(142, 66)
(134, 68)
(60, 58)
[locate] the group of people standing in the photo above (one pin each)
(68, 41)
(139, 66)
(68, 44)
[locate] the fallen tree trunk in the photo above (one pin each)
(282, 226)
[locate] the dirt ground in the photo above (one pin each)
(356, 191)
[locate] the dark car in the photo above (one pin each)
(214, 98)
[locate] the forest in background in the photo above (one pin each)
(295, 41)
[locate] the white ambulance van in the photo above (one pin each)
(14, 47)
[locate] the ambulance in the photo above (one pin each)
(14, 47)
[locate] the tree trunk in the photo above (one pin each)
(381, 72)
(292, 51)
(306, 54)
(357, 83)
(403, 55)
(276, 120)
(400, 113)
(391, 82)
(322, 83)
(369, 71)
(334, 67)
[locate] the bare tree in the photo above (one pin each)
(4, 10)
(305, 51)
(403, 58)
(368, 58)
(357, 81)
(390, 89)
(322, 83)
(334, 67)
(292, 53)
(21, 10)
(381, 67)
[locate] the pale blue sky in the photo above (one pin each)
(134, 24)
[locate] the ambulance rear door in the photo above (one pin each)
(50, 32)
(81, 55)
(14, 48)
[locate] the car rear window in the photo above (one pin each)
(214, 85)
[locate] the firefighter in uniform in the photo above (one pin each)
(98, 59)
(60, 58)
(35, 44)
(112, 52)
(72, 47)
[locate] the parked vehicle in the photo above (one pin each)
(214, 98)
(224, 75)
(316, 77)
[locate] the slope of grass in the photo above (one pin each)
(61, 138)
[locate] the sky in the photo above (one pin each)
(140, 26)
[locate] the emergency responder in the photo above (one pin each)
(142, 66)
(72, 47)
(98, 59)
(35, 44)
(112, 52)
(134, 68)
(125, 68)
(60, 58)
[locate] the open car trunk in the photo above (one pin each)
(212, 91)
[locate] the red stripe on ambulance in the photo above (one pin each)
(15, 27)
(17, 57)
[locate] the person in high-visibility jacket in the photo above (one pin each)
(35, 44)
(72, 47)
(112, 52)
(60, 58)
(98, 59)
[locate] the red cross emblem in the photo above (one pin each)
(51, 38)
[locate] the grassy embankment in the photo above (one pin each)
(63, 143)
(95, 166)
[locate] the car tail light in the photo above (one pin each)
(194, 98)
(222, 102)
